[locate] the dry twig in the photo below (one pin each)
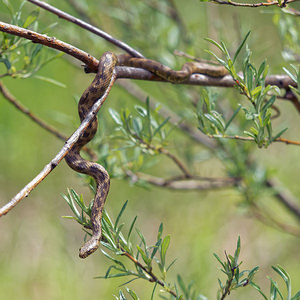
(87, 26)
(253, 5)
(61, 154)
(183, 183)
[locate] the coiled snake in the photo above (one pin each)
(95, 91)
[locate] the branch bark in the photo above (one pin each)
(282, 81)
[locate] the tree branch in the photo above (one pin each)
(282, 81)
(87, 26)
(253, 5)
(245, 139)
(284, 197)
(182, 183)
(61, 154)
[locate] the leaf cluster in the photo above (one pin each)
(251, 84)
(20, 57)
(136, 141)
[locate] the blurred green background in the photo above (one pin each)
(39, 249)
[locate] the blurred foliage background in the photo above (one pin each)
(39, 249)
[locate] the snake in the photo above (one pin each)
(93, 92)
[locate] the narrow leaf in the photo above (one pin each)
(241, 46)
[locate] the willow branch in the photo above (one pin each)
(253, 5)
(284, 197)
(250, 139)
(153, 277)
(87, 26)
(282, 81)
(11, 99)
(266, 218)
(61, 154)
(182, 183)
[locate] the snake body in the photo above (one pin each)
(95, 91)
(169, 74)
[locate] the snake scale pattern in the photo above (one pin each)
(95, 91)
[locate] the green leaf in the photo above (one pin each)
(214, 43)
(240, 47)
(256, 91)
(225, 50)
(237, 251)
(217, 121)
(160, 231)
(285, 276)
(259, 290)
(6, 62)
(221, 61)
(261, 69)
(279, 134)
(219, 260)
(116, 116)
(145, 258)
(35, 51)
(182, 285)
(131, 227)
(155, 248)
(50, 80)
(31, 18)
(296, 296)
(121, 295)
(293, 77)
(269, 103)
(120, 214)
(132, 294)
(232, 117)
(161, 125)
(141, 237)
(153, 291)
(164, 247)
(275, 289)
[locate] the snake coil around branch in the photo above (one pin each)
(95, 90)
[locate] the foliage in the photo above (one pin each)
(21, 57)
(150, 261)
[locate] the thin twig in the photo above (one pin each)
(61, 154)
(270, 3)
(8, 96)
(177, 183)
(266, 218)
(153, 277)
(284, 196)
(87, 26)
(164, 151)
(244, 138)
